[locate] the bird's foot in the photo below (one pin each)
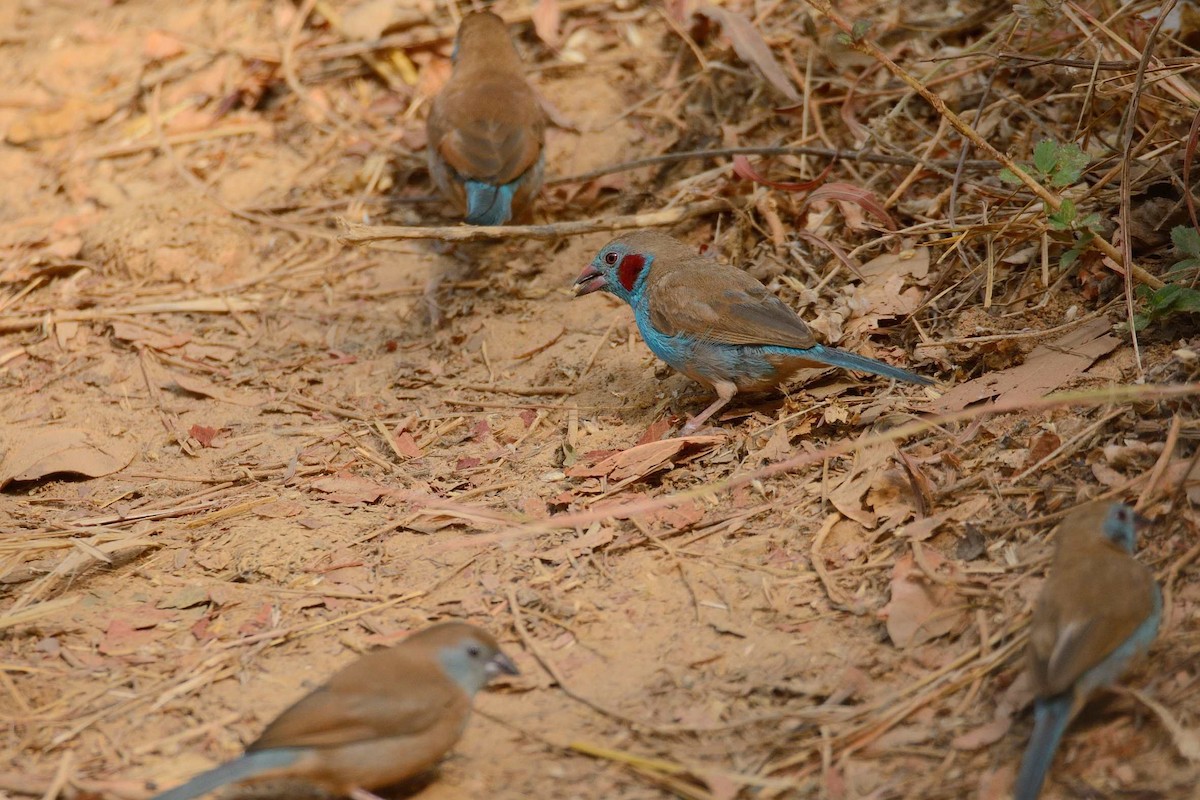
(429, 298)
(696, 427)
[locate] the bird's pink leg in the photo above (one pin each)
(362, 794)
(725, 393)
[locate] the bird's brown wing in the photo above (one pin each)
(722, 304)
(383, 694)
(1085, 614)
(490, 129)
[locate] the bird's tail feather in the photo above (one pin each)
(248, 766)
(1050, 718)
(840, 358)
(488, 204)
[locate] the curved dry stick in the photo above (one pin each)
(366, 234)
(798, 150)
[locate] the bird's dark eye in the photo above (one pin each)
(610, 258)
(473, 651)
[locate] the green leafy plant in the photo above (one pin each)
(1174, 298)
(858, 32)
(1057, 164)
(1187, 242)
(1060, 165)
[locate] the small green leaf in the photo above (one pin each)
(1181, 268)
(1188, 301)
(843, 39)
(1163, 298)
(1069, 165)
(859, 30)
(1187, 240)
(1062, 219)
(1045, 156)
(1069, 258)
(1008, 176)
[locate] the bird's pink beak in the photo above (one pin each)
(590, 280)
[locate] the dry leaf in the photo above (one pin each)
(909, 263)
(377, 18)
(76, 114)
(204, 435)
(350, 489)
(848, 496)
(32, 454)
(596, 537)
(205, 388)
(1047, 367)
(1187, 740)
(656, 431)
(749, 45)
(186, 597)
(160, 45)
(406, 445)
(643, 459)
(863, 198)
(279, 509)
(128, 331)
(743, 169)
(963, 511)
(921, 609)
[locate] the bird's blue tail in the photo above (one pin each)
(1050, 718)
(239, 769)
(840, 358)
(488, 204)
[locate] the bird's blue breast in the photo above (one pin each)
(748, 367)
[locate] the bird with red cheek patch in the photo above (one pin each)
(486, 127)
(714, 323)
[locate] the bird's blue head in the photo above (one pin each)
(619, 268)
(1120, 526)
(469, 655)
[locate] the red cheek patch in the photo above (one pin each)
(631, 266)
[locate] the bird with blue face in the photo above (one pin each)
(714, 323)
(486, 128)
(1098, 610)
(381, 720)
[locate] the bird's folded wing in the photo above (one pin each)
(327, 718)
(489, 131)
(1089, 613)
(726, 306)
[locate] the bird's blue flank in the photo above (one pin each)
(1051, 715)
(1050, 718)
(840, 358)
(1107, 671)
(749, 365)
(488, 204)
(239, 769)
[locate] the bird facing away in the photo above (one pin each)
(382, 719)
(486, 127)
(714, 323)
(1099, 609)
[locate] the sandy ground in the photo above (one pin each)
(292, 467)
